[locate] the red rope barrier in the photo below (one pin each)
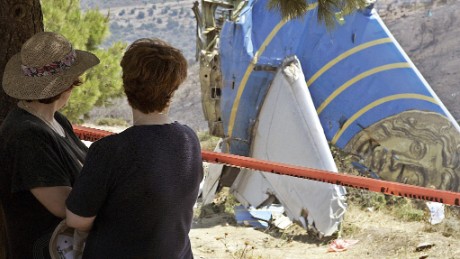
(386, 187)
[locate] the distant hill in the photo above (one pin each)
(172, 21)
(105, 4)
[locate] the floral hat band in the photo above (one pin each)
(52, 68)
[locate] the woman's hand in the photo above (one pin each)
(78, 222)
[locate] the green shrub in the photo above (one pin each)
(112, 122)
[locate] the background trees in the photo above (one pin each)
(87, 30)
(328, 10)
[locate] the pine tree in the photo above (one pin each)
(87, 30)
(328, 10)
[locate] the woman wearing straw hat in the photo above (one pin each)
(137, 189)
(41, 156)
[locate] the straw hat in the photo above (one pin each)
(46, 66)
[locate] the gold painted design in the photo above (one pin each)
(250, 68)
(377, 103)
(345, 55)
(363, 75)
(413, 147)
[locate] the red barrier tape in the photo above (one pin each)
(90, 134)
(392, 188)
(386, 187)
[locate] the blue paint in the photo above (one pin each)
(315, 46)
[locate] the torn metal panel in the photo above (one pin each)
(209, 23)
(212, 173)
(288, 130)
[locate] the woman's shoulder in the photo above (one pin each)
(19, 122)
(110, 141)
(26, 132)
(188, 129)
(62, 120)
(183, 127)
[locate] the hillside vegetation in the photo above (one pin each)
(172, 21)
(104, 4)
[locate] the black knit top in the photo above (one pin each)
(33, 155)
(142, 185)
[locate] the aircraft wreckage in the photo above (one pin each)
(283, 90)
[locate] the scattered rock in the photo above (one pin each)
(424, 246)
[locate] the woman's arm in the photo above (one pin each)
(53, 198)
(78, 222)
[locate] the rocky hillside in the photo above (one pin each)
(429, 32)
(173, 21)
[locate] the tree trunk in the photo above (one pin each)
(19, 20)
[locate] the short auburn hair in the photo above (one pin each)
(152, 72)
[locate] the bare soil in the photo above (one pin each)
(380, 235)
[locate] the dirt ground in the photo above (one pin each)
(380, 235)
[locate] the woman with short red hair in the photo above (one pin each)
(137, 189)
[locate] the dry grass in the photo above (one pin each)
(207, 141)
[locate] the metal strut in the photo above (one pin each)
(374, 185)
